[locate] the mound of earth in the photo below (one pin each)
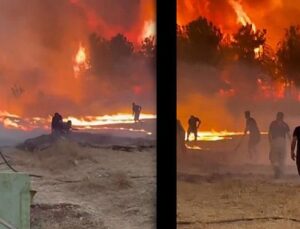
(89, 180)
(86, 139)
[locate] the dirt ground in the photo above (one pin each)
(86, 187)
(220, 188)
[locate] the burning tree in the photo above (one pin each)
(289, 54)
(148, 47)
(199, 41)
(248, 41)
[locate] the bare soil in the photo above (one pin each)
(85, 187)
(220, 188)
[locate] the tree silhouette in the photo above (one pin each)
(199, 41)
(120, 47)
(246, 40)
(106, 54)
(100, 54)
(148, 47)
(289, 54)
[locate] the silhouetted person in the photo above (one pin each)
(296, 139)
(254, 135)
(278, 131)
(57, 123)
(136, 111)
(194, 124)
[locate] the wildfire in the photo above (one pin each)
(80, 62)
(149, 29)
(81, 56)
(244, 19)
(12, 121)
(90, 121)
(216, 135)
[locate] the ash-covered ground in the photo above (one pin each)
(91, 180)
(218, 187)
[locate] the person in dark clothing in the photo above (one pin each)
(296, 140)
(278, 131)
(67, 127)
(57, 123)
(136, 111)
(194, 124)
(254, 135)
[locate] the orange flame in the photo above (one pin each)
(216, 135)
(81, 62)
(80, 56)
(149, 29)
(242, 17)
(12, 121)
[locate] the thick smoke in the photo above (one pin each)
(38, 44)
(220, 97)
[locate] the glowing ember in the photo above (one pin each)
(258, 51)
(275, 90)
(81, 62)
(80, 56)
(193, 147)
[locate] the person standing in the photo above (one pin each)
(296, 140)
(278, 132)
(136, 111)
(254, 135)
(194, 124)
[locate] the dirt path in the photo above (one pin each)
(91, 188)
(212, 194)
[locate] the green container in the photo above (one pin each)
(15, 200)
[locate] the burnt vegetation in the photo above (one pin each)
(202, 42)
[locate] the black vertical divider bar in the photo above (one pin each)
(166, 114)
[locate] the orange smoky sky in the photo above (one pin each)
(38, 45)
(219, 97)
(273, 15)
